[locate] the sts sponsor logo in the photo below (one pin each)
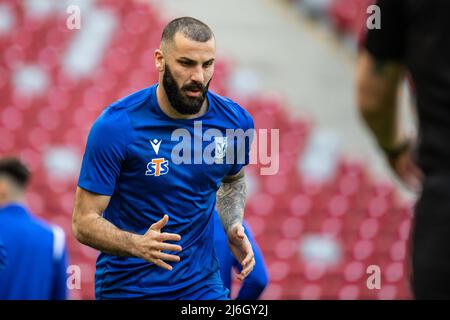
(158, 166)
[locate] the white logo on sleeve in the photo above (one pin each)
(220, 150)
(155, 145)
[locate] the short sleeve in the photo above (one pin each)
(105, 152)
(242, 154)
(387, 42)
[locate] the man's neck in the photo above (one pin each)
(170, 111)
(17, 201)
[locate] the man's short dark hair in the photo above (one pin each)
(191, 28)
(14, 169)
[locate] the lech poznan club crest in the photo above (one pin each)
(220, 150)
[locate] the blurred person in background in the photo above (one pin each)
(130, 185)
(36, 254)
(414, 39)
(253, 286)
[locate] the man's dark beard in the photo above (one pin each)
(182, 102)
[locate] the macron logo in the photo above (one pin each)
(155, 145)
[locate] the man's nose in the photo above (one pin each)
(197, 75)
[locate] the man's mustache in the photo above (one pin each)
(194, 86)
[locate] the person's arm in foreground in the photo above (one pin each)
(230, 204)
(91, 229)
(380, 72)
(377, 91)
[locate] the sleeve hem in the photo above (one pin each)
(96, 188)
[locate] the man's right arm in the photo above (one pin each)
(91, 229)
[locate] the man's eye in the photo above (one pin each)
(185, 63)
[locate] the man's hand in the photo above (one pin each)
(404, 166)
(150, 246)
(242, 249)
(230, 204)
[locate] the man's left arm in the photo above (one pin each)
(231, 198)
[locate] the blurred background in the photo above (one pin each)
(333, 209)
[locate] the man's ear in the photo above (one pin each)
(159, 60)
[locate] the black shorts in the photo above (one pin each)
(431, 240)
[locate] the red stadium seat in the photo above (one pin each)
(362, 216)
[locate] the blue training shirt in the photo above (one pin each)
(36, 257)
(129, 157)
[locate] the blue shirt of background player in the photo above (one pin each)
(256, 281)
(36, 255)
(116, 163)
(2, 255)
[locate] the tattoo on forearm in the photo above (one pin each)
(231, 202)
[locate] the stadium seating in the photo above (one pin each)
(346, 17)
(363, 219)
